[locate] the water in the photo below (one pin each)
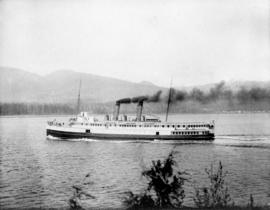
(39, 172)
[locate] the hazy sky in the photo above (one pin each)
(194, 41)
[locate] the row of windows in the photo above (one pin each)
(188, 133)
(92, 124)
(133, 125)
(178, 126)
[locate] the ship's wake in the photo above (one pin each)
(49, 137)
(254, 141)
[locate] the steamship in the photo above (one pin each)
(125, 127)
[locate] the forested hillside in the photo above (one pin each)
(22, 92)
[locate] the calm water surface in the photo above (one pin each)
(39, 172)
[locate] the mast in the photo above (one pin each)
(169, 100)
(79, 97)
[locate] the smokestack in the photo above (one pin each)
(117, 106)
(139, 110)
(116, 113)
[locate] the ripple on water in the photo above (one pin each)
(39, 172)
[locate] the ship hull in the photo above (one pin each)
(103, 136)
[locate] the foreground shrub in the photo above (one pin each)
(165, 186)
(216, 194)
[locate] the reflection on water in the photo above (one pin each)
(39, 172)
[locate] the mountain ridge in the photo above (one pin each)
(62, 86)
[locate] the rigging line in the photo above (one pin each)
(79, 97)
(169, 100)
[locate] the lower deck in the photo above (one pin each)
(69, 134)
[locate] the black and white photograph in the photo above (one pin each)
(135, 104)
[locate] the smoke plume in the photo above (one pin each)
(123, 101)
(155, 98)
(177, 95)
(140, 99)
(216, 93)
(220, 92)
(254, 94)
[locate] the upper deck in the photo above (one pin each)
(130, 122)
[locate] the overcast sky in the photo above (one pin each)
(194, 41)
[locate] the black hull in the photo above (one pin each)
(76, 135)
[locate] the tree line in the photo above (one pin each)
(217, 99)
(34, 109)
